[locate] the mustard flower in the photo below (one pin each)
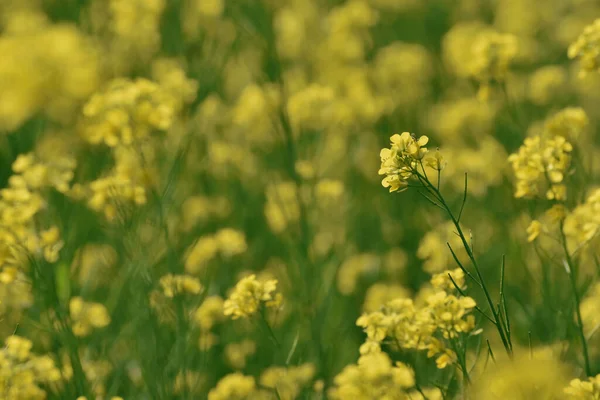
(288, 381)
(249, 295)
(87, 316)
(231, 242)
(173, 285)
(209, 313)
(569, 123)
(442, 280)
(527, 377)
(588, 389)
(492, 54)
(399, 161)
(450, 314)
(24, 374)
(127, 111)
(541, 165)
(373, 377)
(583, 223)
(204, 250)
(533, 230)
(587, 48)
(234, 386)
(236, 354)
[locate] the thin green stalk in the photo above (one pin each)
(570, 268)
(269, 330)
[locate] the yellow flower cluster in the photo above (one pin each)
(443, 282)
(569, 123)
(540, 165)
(127, 112)
(373, 377)
(288, 381)
(529, 376)
(111, 193)
(173, 285)
(87, 316)
(402, 65)
(492, 54)
(130, 31)
(547, 84)
(347, 25)
(583, 223)
(22, 373)
(399, 162)
(197, 209)
(236, 354)
(282, 208)
(444, 316)
(382, 293)
(353, 268)
(249, 295)
(234, 386)
(22, 202)
(433, 248)
(226, 242)
(484, 163)
(587, 48)
(15, 291)
(588, 389)
(48, 68)
(206, 316)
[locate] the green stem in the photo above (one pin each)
(496, 317)
(570, 267)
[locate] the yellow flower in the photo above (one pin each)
(583, 390)
(587, 48)
(492, 54)
(173, 285)
(373, 377)
(204, 250)
(533, 230)
(248, 295)
(233, 387)
(442, 280)
(542, 164)
(399, 162)
(209, 313)
(87, 316)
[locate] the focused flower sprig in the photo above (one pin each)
(399, 163)
(402, 163)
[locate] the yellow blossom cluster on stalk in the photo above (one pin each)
(586, 389)
(24, 374)
(541, 166)
(374, 376)
(442, 318)
(587, 48)
(87, 316)
(249, 295)
(399, 162)
(492, 55)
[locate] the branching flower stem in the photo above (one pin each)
(496, 318)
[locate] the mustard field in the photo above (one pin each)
(300, 199)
